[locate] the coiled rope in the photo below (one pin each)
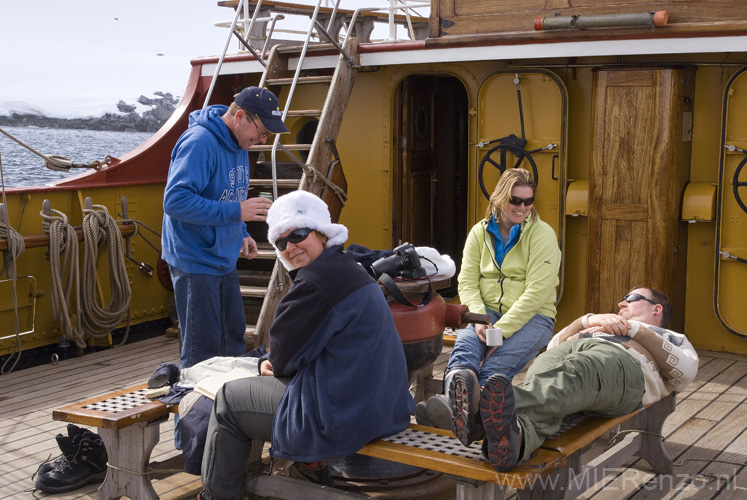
(57, 162)
(14, 249)
(16, 246)
(63, 263)
(99, 229)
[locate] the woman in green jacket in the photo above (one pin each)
(509, 271)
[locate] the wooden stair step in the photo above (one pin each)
(302, 80)
(315, 47)
(291, 147)
(305, 112)
(253, 291)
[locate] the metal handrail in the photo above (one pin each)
(291, 91)
(392, 25)
(242, 4)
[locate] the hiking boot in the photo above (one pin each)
(68, 446)
(464, 393)
(316, 472)
(86, 465)
(498, 412)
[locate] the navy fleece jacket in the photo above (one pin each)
(334, 334)
(208, 179)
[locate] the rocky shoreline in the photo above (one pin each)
(126, 120)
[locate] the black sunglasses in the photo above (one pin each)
(515, 200)
(294, 237)
(632, 297)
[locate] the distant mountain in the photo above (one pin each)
(147, 115)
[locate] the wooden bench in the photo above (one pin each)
(128, 423)
(554, 471)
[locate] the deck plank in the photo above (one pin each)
(707, 424)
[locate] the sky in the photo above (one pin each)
(76, 58)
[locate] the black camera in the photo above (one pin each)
(405, 262)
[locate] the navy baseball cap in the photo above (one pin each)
(265, 105)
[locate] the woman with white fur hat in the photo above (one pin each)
(335, 377)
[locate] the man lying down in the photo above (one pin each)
(601, 364)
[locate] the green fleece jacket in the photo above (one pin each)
(523, 286)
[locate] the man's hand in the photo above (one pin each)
(248, 248)
(255, 209)
(265, 369)
(610, 323)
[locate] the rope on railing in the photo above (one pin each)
(63, 263)
(100, 229)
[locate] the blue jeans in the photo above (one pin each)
(211, 315)
(211, 319)
(508, 359)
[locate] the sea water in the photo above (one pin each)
(21, 167)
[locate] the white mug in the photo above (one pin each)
(494, 337)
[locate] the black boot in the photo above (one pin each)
(68, 446)
(88, 464)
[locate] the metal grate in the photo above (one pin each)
(435, 442)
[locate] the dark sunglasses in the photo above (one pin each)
(632, 297)
(294, 237)
(515, 200)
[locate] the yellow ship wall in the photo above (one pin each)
(365, 144)
(366, 149)
(150, 300)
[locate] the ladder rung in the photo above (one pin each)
(282, 183)
(301, 80)
(253, 291)
(292, 147)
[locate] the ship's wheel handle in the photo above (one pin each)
(501, 163)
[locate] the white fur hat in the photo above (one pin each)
(302, 209)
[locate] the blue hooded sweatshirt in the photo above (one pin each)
(208, 179)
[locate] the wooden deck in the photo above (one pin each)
(706, 436)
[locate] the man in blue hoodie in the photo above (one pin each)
(205, 207)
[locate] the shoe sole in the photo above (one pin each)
(440, 412)
(421, 414)
(98, 477)
(463, 391)
(497, 408)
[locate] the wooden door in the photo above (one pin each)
(430, 174)
(639, 166)
(415, 217)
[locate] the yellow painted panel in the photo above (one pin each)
(731, 235)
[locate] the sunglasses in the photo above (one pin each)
(261, 135)
(515, 200)
(632, 297)
(294, 237)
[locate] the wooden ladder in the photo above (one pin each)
(322, 171)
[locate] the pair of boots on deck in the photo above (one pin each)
(83, 460)
(475, 413)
